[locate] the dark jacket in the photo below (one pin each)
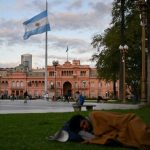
(72, 136)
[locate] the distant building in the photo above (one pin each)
(26, 60)
(65, 79)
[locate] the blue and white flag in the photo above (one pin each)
(36, 25)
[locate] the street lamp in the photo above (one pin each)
(122, 30)
(143, 9)
(0, 84)
(55, 64)
(123, 50)
(84, 83)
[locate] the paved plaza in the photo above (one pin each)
(44, 106)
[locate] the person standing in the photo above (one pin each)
(77, 95)
(81, 99)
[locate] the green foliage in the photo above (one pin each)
(108, 58)
(30, 131)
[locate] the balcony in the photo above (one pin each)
(18, 87)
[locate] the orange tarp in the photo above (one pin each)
(128, 129)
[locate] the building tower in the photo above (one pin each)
(26, 60)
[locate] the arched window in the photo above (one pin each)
(100, 84)
(92, 84)
(18, 84)
(83, 84)
(21, 84)
(13, 84)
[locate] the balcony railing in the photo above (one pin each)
(18, 87)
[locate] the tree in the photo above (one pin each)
(108, 55)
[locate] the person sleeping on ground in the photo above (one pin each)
(107, 128)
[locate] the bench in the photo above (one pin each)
(79, 107)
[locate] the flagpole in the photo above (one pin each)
(67, 53)
(67, 56)
(46, 57)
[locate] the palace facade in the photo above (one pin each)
(65, 79)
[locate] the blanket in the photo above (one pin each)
(127, 129)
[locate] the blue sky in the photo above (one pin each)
(73, 23)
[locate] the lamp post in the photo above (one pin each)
(0, 84)
(26, 82)
(84, 83)
(123, 50)
(55, 64)
(122, 30)
(148, 55)
(143, 9)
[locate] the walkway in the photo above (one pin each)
(43, 106)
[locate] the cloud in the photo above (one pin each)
(92, 19)
(73, 23)
(9, 65)
(76, 4)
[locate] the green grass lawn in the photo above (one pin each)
(30, 131)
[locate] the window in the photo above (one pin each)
(51, 73)
(83, 84)
(92, 84)
(29, 83)
(83, 73)
(107, 84)
(67, 73)
(13, 84)
(58, 84)
(18, 84)
(116, 84)
(100, 84)
(36, 83)
(21, 84)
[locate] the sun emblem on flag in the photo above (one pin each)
(37, 24)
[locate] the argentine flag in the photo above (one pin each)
(36, 25)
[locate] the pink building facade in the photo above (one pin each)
(65, 79)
